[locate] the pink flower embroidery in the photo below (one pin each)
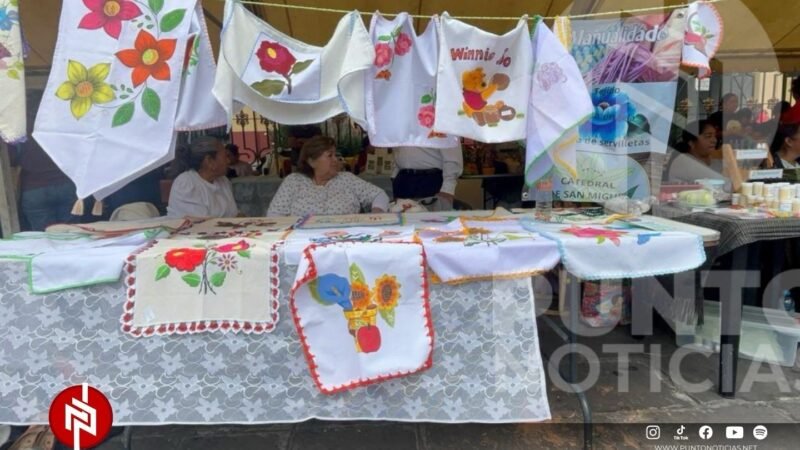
(549, 75)
(426, 116)
(109, 15)
(600, 234)
(402, 45)
(383, 55)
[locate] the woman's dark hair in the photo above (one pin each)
(779, 108)
(745, 114)
(783, 132)
(691, 133)
(313, 149)
(233, 149)
(191, 157)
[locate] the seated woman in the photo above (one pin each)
(786, 147)
(319, 188)
(201, 189)
(691, 159)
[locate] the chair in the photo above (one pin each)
(135, 211)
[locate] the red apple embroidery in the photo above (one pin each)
(369, 338)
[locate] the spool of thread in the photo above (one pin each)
(758, 201)
(786, 194)
(796, 206)
(747, 189)
(785, 207)
(758, 188)
(744, 201)
(736, 199)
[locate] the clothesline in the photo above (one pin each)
(422, 16)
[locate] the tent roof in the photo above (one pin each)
(753, 28)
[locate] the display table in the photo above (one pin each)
(487, 366)
(254, 194)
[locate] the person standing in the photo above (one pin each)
(720, 119)
(429, 175)
(792, 114)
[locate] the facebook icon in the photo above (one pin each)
(706, 432)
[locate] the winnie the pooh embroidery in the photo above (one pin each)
(477, 92)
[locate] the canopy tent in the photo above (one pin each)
(761, 35)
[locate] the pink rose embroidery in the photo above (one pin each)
(402, 45)
(549, 75)
(383, 55)
(426, 116)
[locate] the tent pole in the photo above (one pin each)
(9, 218)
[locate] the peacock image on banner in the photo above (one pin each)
(630, 67)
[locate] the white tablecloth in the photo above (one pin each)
(487, 366)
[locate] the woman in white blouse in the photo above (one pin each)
(319, 188)
(202, 190)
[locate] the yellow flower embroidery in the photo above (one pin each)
(360, 296)
(387, 292)
(85, 88)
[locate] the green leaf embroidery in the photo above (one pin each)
(356, 275)
(172, 19)
(601, 239)
(156, 5)
(301, 66)
(244, 253)
(199, 246)
(192, 279)
(396, 31)
(313, 288)
(385, 38)
(162, 272)
(19, 65)
(13, 74)
(151, 103)
(268, 88)
(14, 3)
(123, 115)
(218, 279)
(426, 99)
(113, 88)
(388, 316)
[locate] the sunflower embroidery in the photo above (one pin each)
(387, 292)
(360, 296)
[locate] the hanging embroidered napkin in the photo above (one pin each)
(484, 81)
(61, 261)
(116, 78)
(559, 102)
(289, 81)
(251, 227)
(12, 75)
(197, 109)
(362, 313)
(703, 37)
(594, 252)
(350, 220)
(404, 62)
(298, 240)
(472, 250)
(185, 287)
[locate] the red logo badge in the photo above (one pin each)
(81, 417)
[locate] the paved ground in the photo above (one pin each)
(621, 414)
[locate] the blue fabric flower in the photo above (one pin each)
(334, 289)
(8, 18)
(612, 110)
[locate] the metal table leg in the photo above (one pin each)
(730, 329)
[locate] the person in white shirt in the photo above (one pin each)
(319, 187)
(202, 190)
(425, 173)
(691, 160)
(786, 146)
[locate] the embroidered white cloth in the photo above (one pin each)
(251, 227)
(703, 37)
(116, 79)
(484, 81)
(362, 313)
(12, 75)
(559, 102)
(474, 249)
(289, 81)
(350, 220)
(197, 109)
(298, 240)
(113, 229)
(404, 62)
(64, 261)
(186, 287)
(594, 252)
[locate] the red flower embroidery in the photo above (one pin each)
(237, 247)
(383, 55)
(148, 58)
(109, 15)
(426, 115)
(274, 57)
(600, 234)
(402, 45)
(185, 259)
